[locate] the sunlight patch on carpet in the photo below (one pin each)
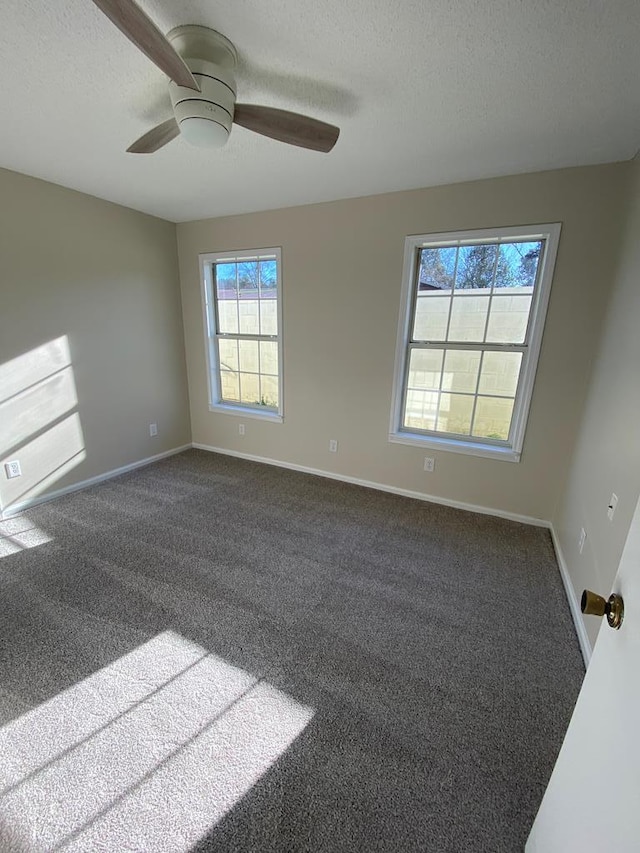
(19, 534)
(149, 753)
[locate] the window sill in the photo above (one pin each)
(452, 445)
(245, 412)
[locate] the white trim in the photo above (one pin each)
(14, 509)
(381, 487)
(246, 412)
(452, 445)
(574, 607)
(209, 307)
(550, 233)
(404, 319)
(537, 319)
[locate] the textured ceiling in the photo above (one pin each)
(425, 93)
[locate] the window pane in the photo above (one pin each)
(269, 357)
(226, 296)
(420, 409)
(506, 270)
(461, 370)
(436, 269)
(225, 276)
(500, 372)
(518, 264)
(250, 388)
(268, 275)
(493, 417)
(269, 385)
(229, 386)
(476, 266)
(468, 317)
(432, 315)
(509, 317)
(248, 278)
(425, 366)
(228, 313)
(248, 308)
(248, 356)
(455, 413)
(268, 314)
(228, 354)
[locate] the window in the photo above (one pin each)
(243, 322)
(470, 331)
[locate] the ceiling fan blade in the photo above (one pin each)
(287, 127)
(140, 29)
(155, 138)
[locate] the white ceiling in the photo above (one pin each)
(425, 93)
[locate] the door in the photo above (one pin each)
(592, 802)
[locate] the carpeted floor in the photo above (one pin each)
(212, 654)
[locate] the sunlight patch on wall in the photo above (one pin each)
(39, 422)
(34, 366)
(47, 458)
(149, 753)
(20, 534)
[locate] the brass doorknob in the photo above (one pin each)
(595, 605)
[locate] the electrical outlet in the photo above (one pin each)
(12, 469)
(581, 539)
(153, 429)
(240, 429)
(611, 509)
(333, 445)
(429, 463)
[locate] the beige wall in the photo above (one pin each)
(339, 369)
(607, 448)
(91, 343)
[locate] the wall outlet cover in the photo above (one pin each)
(12, 469)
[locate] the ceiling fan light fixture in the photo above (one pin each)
(204, 132)
(205, 117)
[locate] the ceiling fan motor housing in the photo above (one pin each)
(205, 117)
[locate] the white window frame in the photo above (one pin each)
(511, 449)
(216, 404)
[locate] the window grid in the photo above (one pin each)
(509, 383)
(475, 346)
(475, 396)
(493, 282)
(453, 285)
(243, 365)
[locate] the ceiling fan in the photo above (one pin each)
(199, 63)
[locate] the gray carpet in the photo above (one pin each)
(212, 654)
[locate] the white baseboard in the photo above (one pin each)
(574, 606)
(14, 509)
(381, 487)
